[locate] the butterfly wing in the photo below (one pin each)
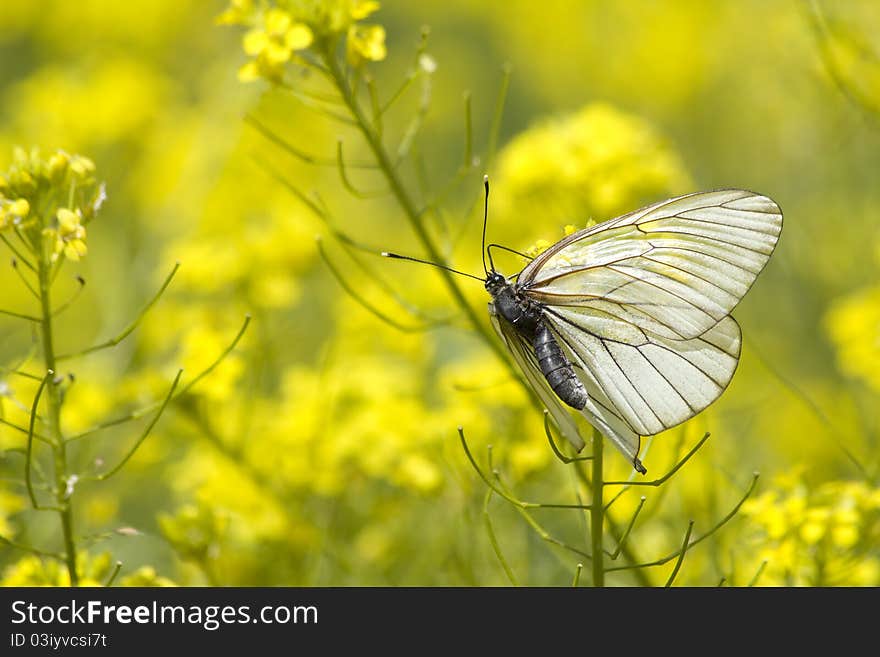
(641, 303)
(673, 269)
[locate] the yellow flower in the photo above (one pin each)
(272, 44)
(538, 248)
(81, 166)
(145, 576)
(853, 324)
(330, 17)
(365, 43)
(237, 13)
(12, 212)
(596, 162)
(69, 236)
(420, 473)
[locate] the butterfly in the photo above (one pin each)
(628, 322)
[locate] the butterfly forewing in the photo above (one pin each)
(674, 268)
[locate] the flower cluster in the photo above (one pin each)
(96, 571)
(63, 187)
(826, 536)
(280, 31)
(592, 164)
(853, 323)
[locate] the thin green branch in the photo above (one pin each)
(562, 457)
(542, 533)
(309, 203)
(470, 161)
(577, 575)
(850, 92)
(32, 550)
(350, 290)
(597, 513)
(134, 415)
(116, 568)
(615, 498)
(700, 539)
(414, 129)
(668, 475)
(346, 182)
(106, 475)
(292, 150)
(18, 255)
(495, 126)
(503, 493)
(411, 74)
(375, 104)
(629, 527)
(487, 520)
(12, 313)
(420, 168)
(760, 571)
(24, 280)
(64, 306)
(350, 245)
(682, 551)
(25, 430)
(316, 104)
(626, 551)
(16, 368)
(112, 342)
(30, 446)
(468, 133)
(407, 81)
(805, 399)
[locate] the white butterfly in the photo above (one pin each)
(629, 321)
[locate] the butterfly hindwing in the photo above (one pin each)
(654, 383)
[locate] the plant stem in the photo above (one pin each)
(53, 403)
(374, 141)
(597, 512)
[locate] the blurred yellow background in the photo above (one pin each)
(324, 450)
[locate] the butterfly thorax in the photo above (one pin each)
(522, 313)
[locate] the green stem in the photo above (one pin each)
(597, 512)
(54, 416)
(374, 141)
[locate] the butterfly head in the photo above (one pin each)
(495, 282)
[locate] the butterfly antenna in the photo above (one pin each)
(485, 220)
(397, 256)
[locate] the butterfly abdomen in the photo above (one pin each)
(557, 369)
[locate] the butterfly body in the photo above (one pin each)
(527, 318)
